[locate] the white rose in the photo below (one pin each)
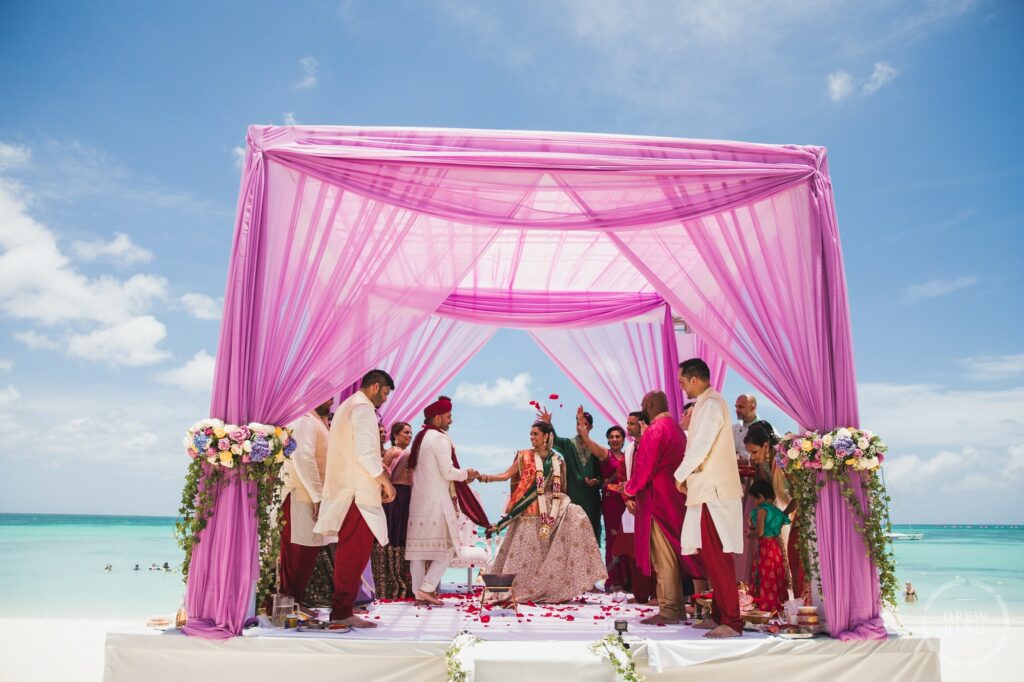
(862, 443)
(793, 453)
(187, 442)
(843, 433)
(826, 440)
(247, 446)
(868, 462)
(828, 464)
(212, 459)
(236, 449)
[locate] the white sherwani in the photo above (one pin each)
(302, 477)
(433, 532)
(353, 463)
(712, 476)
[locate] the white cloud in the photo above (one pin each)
(514, 392)
(38, 283)
(194, 375)
(937, 288)
(840, 85)
(13, 155)
(238, 154)
(925, 416)
(9, 397)
(990, 367)
(201, 306)
(970, 471)
(132, 342)
(309, 69)
(882, 74)
(36, 341)
(289, 118)
(6, 365)
(121, 249)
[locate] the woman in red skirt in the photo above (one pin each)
(769, 576)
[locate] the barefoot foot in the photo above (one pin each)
(356, 622)
(428, 598)
(721, 632)
(706, 624)
(659, 619)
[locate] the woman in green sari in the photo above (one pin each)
(550, 544)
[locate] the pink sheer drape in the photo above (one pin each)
(614, 365)
(692, 346)
(348, 239)
(425, 363)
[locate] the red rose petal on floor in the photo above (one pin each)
(569, 617)
(553, 396)
(485, 619)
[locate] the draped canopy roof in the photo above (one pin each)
(351, 242)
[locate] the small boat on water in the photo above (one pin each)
(904, 536)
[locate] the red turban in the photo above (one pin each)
(438, 407)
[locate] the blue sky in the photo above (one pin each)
(121, 126)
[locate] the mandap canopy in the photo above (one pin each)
(407, 249)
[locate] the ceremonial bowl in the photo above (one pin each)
(498, 579)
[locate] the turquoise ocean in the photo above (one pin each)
(52, 566)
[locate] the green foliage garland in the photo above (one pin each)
(219, 451)
(618, 654)
(851, 457)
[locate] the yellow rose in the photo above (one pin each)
(850, 462)
(279, 457)
(219, 432)
(807, 446)
(278, 432)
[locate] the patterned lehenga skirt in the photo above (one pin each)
(555, 570)
(391, 575)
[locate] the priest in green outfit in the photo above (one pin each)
(583, 472)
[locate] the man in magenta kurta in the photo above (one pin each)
(660, 508)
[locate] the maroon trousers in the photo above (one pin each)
(297, 561)
(721, 572)
(355, 544)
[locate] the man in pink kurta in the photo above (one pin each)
(660, 508)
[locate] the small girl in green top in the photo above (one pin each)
(769, 589)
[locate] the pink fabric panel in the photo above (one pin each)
(541, 309)
(764, 288)
(336, 284)
(225, 564)
(614, 365)
(539, 180)
(424, 364)
(849, 581)
(692, 346)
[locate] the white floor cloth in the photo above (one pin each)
(550, 640)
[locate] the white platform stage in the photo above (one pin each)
(544, 642)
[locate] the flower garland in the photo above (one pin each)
(453, 656)
(841, 453)
(217, 451)
(548, 516)
(618, 654)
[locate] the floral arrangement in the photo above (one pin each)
(850, 457)
(618, 654)
(454, 655)
(255, 451)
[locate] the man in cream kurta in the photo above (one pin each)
(355, 486)
(433, 531)
(302, 485)
(710, 478)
